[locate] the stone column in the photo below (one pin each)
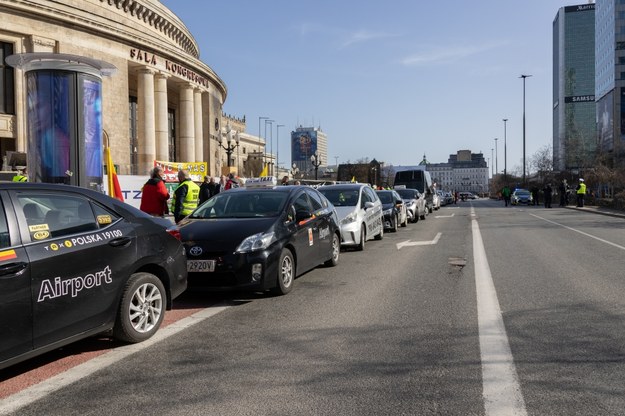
(199, 126)
(187, 124)
(147, 128)
(160, 99)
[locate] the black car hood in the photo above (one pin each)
(224, 233)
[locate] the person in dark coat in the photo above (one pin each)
(205, 190)
(563, 189)
(548, 191)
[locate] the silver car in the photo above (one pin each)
(415, 203)
(359, 210)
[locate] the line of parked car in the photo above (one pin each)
(75, 262)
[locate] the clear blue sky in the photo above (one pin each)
(389, 80)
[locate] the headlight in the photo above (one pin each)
(409, 204)
(388, 211)
(256, 242)
(349, 219)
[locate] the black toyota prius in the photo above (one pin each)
(74, 263)
(259, 237)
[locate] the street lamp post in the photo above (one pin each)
(505, 150)
(491, 165)
(259, 136)
(229, 146)
(294, 170)
(278, 144)
(375, 176)
(524, 76)
(265, 153)
(315, 159)
(496, 156)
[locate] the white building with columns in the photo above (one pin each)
(163, 103)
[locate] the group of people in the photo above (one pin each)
(563, 189)
(156, 201)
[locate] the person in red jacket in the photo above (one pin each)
(154, 194)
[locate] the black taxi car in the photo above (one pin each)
(260, 237)
(75, 263)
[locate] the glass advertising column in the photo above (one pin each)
(64, 117)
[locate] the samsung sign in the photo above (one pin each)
(580, 99)
(580, 8)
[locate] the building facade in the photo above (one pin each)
(574, 114)
(163, 103)
(305, 143)
(464, 172)
(610, 80)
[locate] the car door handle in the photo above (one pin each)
(120, 242)
(12, 268)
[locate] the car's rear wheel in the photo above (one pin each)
(286, 272)
(141, 309)
(336, 252)
(363, 237)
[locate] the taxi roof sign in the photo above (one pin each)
(261, 182)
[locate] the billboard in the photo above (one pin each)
(303, 145)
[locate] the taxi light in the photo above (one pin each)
(175, 232)
(257, 271)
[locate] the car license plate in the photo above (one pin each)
(200, 265)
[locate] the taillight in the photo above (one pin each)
(175, 232)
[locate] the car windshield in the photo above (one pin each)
(521, 192)
(341, 197)
(407, 194)
(386, 197)
(244, 204)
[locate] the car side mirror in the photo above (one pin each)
(368, 205)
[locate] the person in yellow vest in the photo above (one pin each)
(21, 177)
(581, 192)
(185, 196)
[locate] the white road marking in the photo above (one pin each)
(409, 243)
(445, 216)
(13, 403)
(578, 231)
(500, 382)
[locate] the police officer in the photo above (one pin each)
(21, 177)
(581, 191)
(185, 196)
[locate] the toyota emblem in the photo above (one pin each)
(195, 251)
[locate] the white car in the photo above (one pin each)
(436, 201)
(415, 203)
(359, 210)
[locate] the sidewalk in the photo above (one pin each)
(599, 210)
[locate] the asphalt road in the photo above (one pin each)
(395, 330)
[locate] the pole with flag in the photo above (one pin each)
(114, 190)
(264, 172)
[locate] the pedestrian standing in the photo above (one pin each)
(154, 194)
(231, 182)
(548, 191)
(185, 196)
(505, 192)
(581, 192)
(205, 190)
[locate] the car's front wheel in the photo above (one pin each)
(363, 237)
(336, 252)
(286, 272)
(394, 224)
(142, 308)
